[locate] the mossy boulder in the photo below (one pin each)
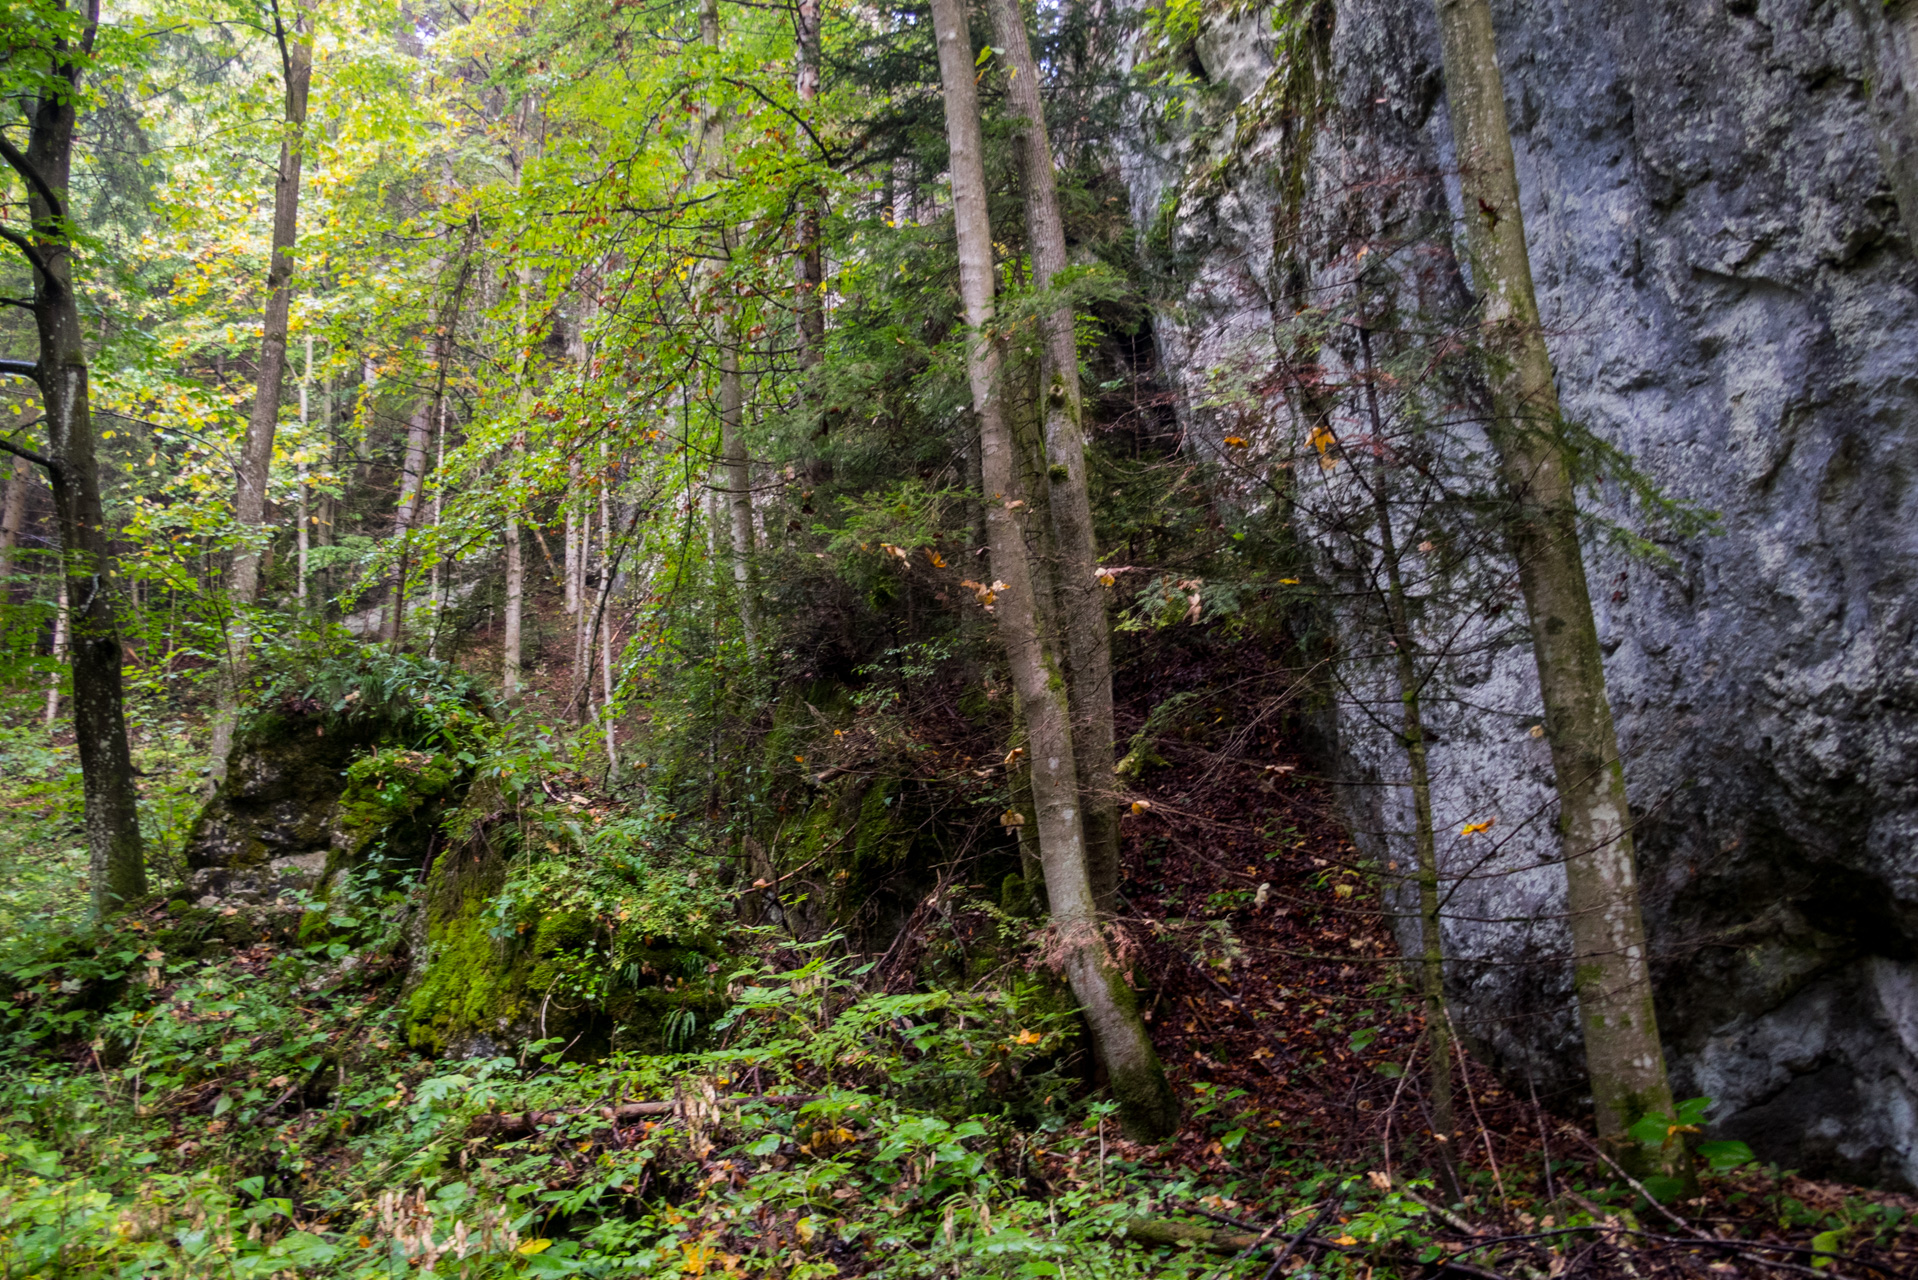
(492, 971)
(307, 795)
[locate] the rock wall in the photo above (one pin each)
(1733, 301)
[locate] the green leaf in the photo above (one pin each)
(1232, 1139)
(1725, 1156)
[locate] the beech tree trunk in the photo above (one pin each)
(419, 435)
(734, 467)
(256, 454)
(1081, 600)
(812, 262)
(1147, 1108)
(116, 853)
(11, 519)
(1611, 973)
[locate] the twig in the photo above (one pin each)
(1635, 1183)
(1292, 1244)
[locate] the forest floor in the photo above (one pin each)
(1293, 1028)
(248, 1105)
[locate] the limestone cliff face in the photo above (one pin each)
(1711, 199)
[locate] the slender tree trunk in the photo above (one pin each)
(1147, 1108)
(1438, 1023)
(256, 454)
(1081, 600)
(419, 435)
(607, 568)
(303, 540)
(58, 652)
(19, 485)
(1611, 973)
(574, 527)
(436, 593)
(116, 853)
(523, 379)
(812, 202)
(734, 468)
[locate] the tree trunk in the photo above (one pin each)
(116, 854)
(523, 382)
(58, 652)
(812, 262)
(419, 434)
(11, 519)
(1081, 600)
(256, 454)
(1147, 1108)
(734, 468)
(1438, 1023)
(1611, 973)
(303, 540)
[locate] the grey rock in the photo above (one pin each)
(1732, 300)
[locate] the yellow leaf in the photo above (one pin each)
(1346, 1240)
(1473, 828)
(1027, 1037)
(805, 1229)
(532, 1247)
(1288, 582)
(1236, 442)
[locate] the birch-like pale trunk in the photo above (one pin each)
(1611, 973)
(1147, 1108)
(1077, 591)
(58, 652)
(256, 454)
(302, 541)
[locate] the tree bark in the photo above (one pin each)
(302, 543)
(1611, 973)
(812, 201)
(116, 853)
(11, 520)
(734, 467)
(256, 454)
(419, 435)
(58, 652)
(1147, 1107)
(1398, 615)
(1081, 600)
